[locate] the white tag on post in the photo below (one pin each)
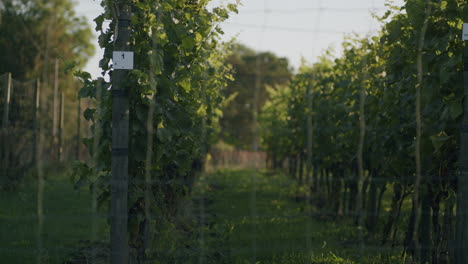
(465, 31)
(122, 60)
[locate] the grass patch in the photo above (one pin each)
(68, 219)
(239, 217)
(258, 221)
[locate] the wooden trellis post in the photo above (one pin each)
(6, 96)
(122, 62)
(37, 100)
(60, 128)
(56, 150)
(78, 130)
(461, 245)
(310, 134)
(5, 121)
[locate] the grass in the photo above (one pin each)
(236, 217)
(257, 220)
(67, 220)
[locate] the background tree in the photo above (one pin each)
(237, 124)
(34, 35)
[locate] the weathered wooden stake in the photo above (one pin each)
(60, 129)
(310, 134)
(5, 121)
(78, 130)
(6, 96)
(55, 102)
(461, 245)
(120, 130)
(37, 93)
(414, 227)
(255, 102)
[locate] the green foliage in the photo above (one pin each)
(238, 124)
(34, 34)
(386, 66)
(175, 89)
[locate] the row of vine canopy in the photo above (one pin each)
(175, 101)
(383, 117)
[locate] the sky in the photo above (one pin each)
(294, 29)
